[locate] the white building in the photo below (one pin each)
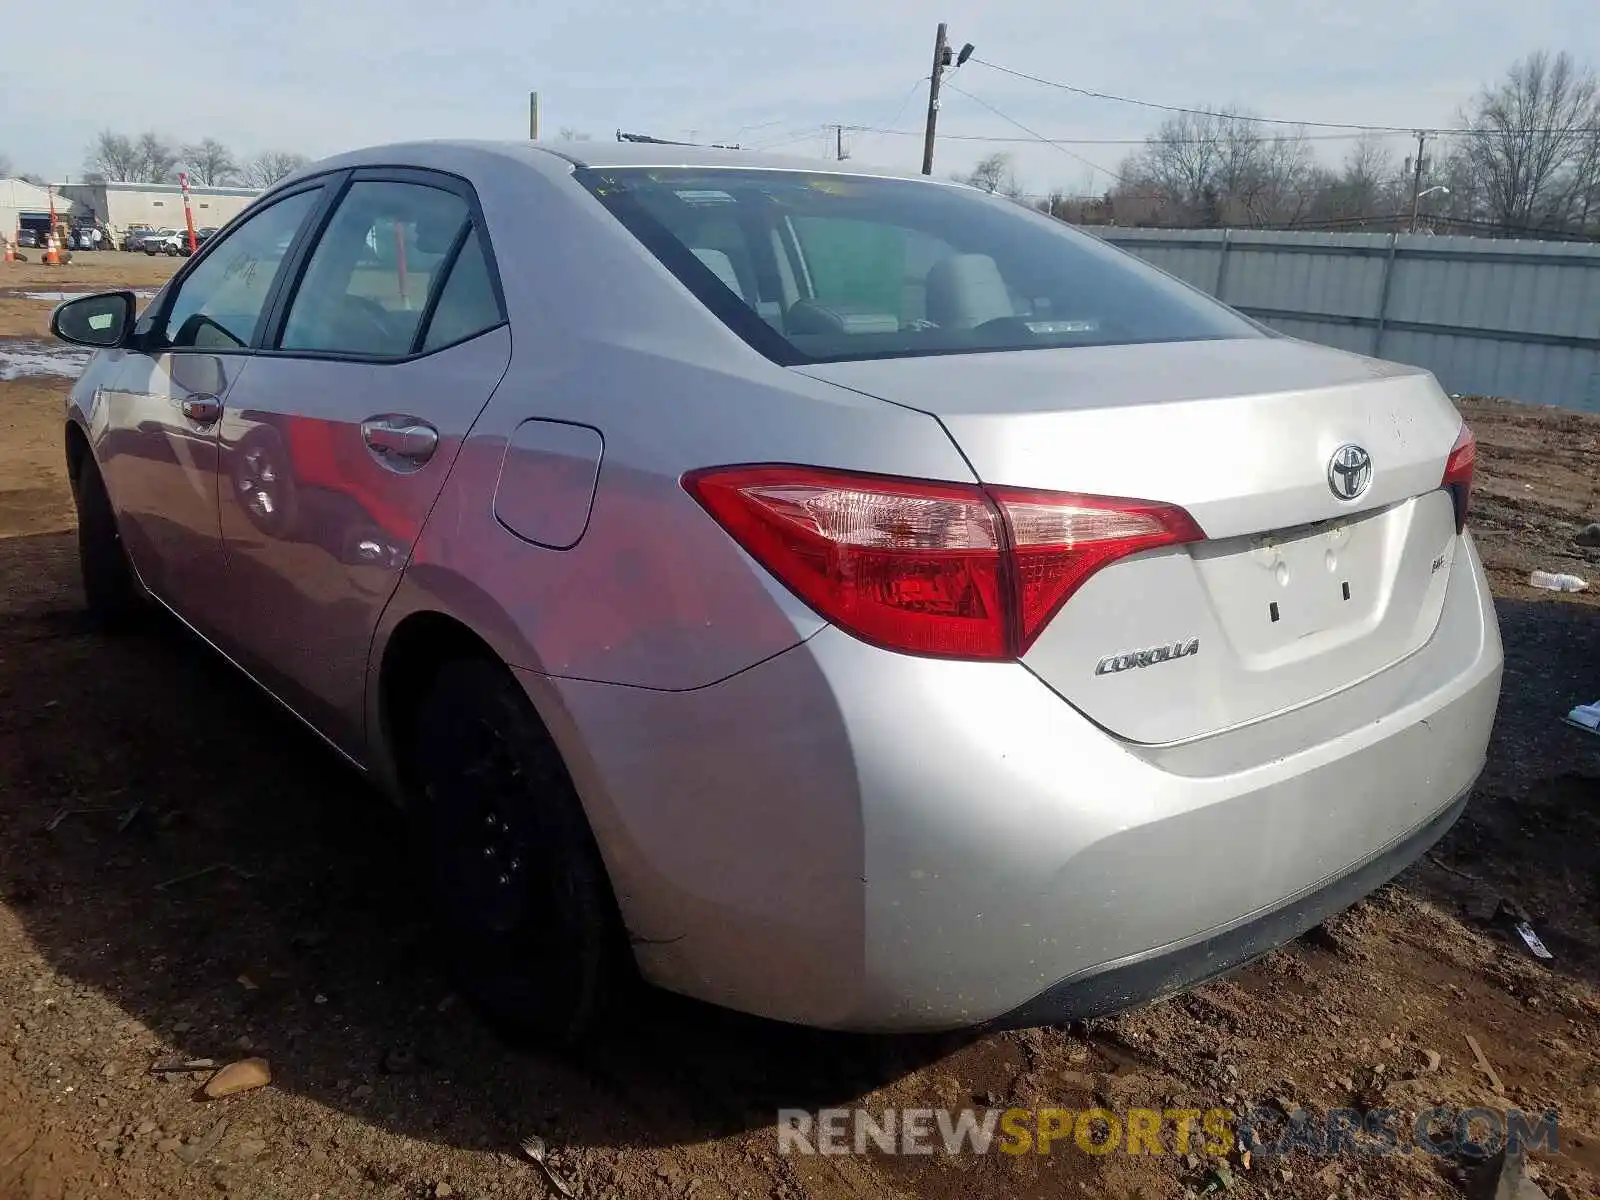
(27, 206)
(160, 204)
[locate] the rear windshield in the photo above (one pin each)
(823, 268)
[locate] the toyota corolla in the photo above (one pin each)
(846, 598)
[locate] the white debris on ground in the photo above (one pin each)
(1586, 717)
(19, 358)
(1553, 582)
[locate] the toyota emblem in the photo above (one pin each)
(1349, 471)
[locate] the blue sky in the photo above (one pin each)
(319, 76)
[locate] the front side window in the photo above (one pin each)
(218, 304)
(368, 282)
(818, 267)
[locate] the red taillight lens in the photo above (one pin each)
(1458, 470)
(1059, 540)
(941, 569)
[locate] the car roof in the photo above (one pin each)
(560, 157)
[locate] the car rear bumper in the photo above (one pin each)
(1163, 971)
(860, 840)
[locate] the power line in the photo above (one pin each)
(915, 87)
(1144, 141)
(789, 139)
(1036, 135)
(1410, 130)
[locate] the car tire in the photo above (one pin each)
(109, 591)
(522, 897)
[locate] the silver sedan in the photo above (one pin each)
(846, 598)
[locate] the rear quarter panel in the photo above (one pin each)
(654, 594)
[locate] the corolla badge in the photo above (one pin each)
(1111, 664)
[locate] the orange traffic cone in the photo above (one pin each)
(11, 254)
(52, 256)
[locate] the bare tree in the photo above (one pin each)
(266, 168)
(115, 157)
(1533, 152)
(1365, 188)
(1178, 166)
(569, 134)
(159, 159)
(5, 167)
(1276, 175)
(993, 174)
(1215, 168)
(210, 163)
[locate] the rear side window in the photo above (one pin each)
(467, 304)
(368, 282)
(812, 267)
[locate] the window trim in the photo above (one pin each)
(436, 287)
(156, 317)
(282, 300)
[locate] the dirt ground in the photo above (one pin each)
(184, 874)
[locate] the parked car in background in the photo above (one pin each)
(27, 237)
(165, 241)
(852, 599)
(134, 235)
(201, 236)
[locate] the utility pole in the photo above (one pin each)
(533, 116)
(941, 52)
(1416, 179)
(838, 142)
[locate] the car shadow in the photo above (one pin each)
(171, 838)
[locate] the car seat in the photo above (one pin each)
(967, 290)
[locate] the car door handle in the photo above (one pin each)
(202, 410)
(409, 440)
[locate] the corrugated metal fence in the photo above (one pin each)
(1497, 318)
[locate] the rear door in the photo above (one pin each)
(334, 447)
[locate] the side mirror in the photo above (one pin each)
(101, 321)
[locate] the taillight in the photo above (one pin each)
(1458, 470)
(947, 570)
(1058, 540)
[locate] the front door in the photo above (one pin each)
(164, 410)
(335, 443)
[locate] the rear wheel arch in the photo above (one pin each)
(425, 680)
(412, 657)
(413, 654)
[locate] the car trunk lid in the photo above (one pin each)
(1296, 592)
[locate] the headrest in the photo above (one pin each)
(965, 291)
